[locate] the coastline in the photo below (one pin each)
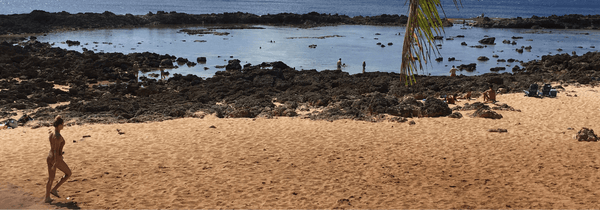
(39, 22)
(102, 88)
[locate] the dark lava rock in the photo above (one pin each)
(586, 134)
(490, 41)
(456, 115)
(73, 43)
(439, 59)
(233, 65)
(434, 107)
(498, 69)
(201, 60)
(482, 58)
(463, 43)
(498, 130)
(486, 113)
(166, 63)
(475, 106)
(572, 21)
(41, 22)
(467, 67)
(246, 93)
(451, 59)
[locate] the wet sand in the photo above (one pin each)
(299, 163)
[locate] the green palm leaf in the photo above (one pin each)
(424, 23)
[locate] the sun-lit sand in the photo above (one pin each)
(299, 163)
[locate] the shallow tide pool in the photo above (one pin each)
(352, 43)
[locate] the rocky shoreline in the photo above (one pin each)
(43, 22)
(41, 81)
(572, 21)
(38, 21)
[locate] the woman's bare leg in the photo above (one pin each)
(61, 165)
(51, 174)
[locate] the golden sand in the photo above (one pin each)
(299, 163)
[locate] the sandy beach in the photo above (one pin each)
(300, 163)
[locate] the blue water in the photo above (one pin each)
(354, 44)
(470, 8)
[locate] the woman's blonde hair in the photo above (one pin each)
(58, 121)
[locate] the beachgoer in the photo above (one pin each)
(453, 71)
(55, 159)
(339, 63)
(489, 95)
(451, 99)
(136, 69)
(466, 96)
(364, 65)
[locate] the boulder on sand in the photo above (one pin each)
(434, 107)
(486, 113)
(586, 134)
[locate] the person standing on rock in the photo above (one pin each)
(339, 64)
(55, 159)
(453, 71)
(364, 66)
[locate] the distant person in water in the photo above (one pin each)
(339, 63)
(489, 95)
(55, 159)
(364, 66)
(453, 71)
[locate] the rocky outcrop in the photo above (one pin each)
(42, 22)
(249, 92)
(574, 68)
(555, 22)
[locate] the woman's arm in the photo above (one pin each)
(60, 146)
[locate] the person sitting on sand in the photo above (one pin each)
(453, 71)
(466, 96)
(55, 159)
(451, 99)
(489, 95)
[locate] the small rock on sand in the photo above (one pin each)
(498, 130)
(586, 134)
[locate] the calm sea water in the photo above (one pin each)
(354, 44)
(471, 8)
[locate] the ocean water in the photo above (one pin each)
(469, 8)
(354, 44)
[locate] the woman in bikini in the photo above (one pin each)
(55, 159)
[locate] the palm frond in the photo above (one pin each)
(424, 23)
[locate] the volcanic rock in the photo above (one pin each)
(586, 134)
(486, 113)
(488, 41)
